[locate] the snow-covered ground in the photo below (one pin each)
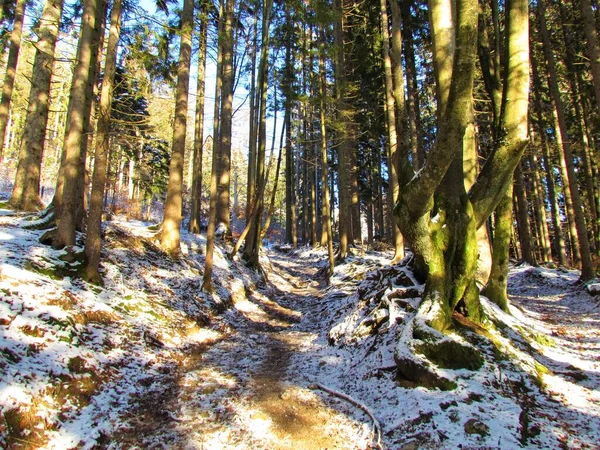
(150, 361)
(539, 386)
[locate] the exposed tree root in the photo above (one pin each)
(45, 220)
(421, 348)
(365, 408)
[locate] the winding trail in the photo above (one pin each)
(249, 390)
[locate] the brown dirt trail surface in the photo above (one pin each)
(241, 391)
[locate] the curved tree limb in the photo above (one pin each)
(455, 119)
(367, 411)
(499, 168)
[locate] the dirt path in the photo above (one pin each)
(246, 391)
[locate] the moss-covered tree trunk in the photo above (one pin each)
(497, 284)
(437, 216)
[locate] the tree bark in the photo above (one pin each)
(591, 34)
(214, 173)
(559, 242)
(271, 209)
(496, 289)
(171, 226)
(343, 146)
(69, 193)
(251, 184)
(540, 209)
(587, 269)
(523, 218)
(441, 17)
(11, 71)
(431, 235)
(25, 195)
(392, 132)
(443, 234)
(94, 223)
(196, 210)
(253, 244)
(413, 105)
(324, 164)
(226, 120)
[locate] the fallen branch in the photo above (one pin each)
(376, 426)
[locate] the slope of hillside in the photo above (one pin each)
(150, 361)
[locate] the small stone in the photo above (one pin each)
(474, 426)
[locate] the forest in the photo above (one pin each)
(299, 224)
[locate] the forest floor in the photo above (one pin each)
(150, 361)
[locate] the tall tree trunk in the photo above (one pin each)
(379, 202)
(216, 147)
(343, 147)
(559, 242)
(226, 118)
(447, 277)
(591, 35)
(11, 71)
(251, 183)
(312, 173)
(587, 152)
(290, 171)
(496, 288)
(290, 183)
(94, 223)
(25, 195)
(171, 224)
(196, 210)
(573, 76)
(69, 193)
(89, 123)
(587, 269)
(523, 218)
(413, 106)
(356, 234)
(441, 18)
(306, 137)
(212, 219)
(540, 209)
(392, 134)
(252, 249)
(271, 209)
(450, 261)
(214, 172)
(324, 165)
